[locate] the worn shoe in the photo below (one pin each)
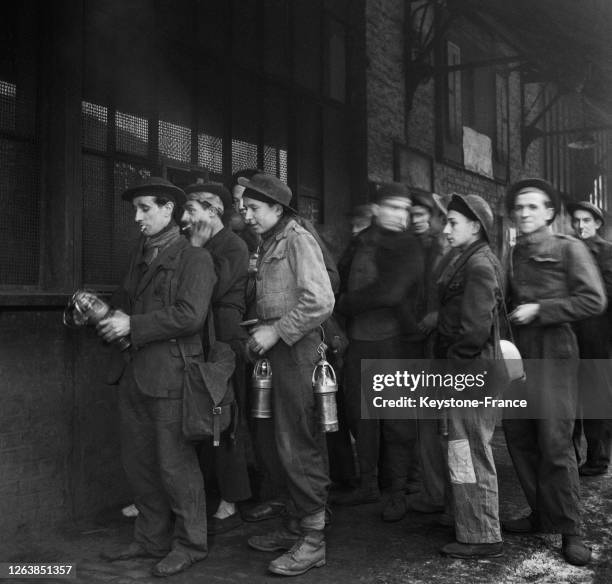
(358, 496)
(265, 510)
(175, 562)
(575, 551)
(468, 551)
(217, 525)
(308, 552)
(133, 550)
(277, 540)
(520, 525)
(586, 470)
(395, 508)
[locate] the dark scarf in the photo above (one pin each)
(274, 231)
(155, 244)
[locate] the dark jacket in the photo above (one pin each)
(231, 259)
(469, 297)
(381, 271)
(167, 304)
(594, 332)
(557, 272)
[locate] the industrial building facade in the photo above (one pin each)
(332, 96)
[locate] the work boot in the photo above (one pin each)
(176, 561)
(575, 551)
(588, 470)
(468, 551)
(308, 552)
(395, 508)
(263, 511)
(277, 540)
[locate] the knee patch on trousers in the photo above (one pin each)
(460, 462)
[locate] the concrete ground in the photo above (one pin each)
(360, 548)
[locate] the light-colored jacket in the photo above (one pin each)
(293, 288)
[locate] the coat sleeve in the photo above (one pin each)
(186, 315)
(477, 311)
(586, 295)
(315, 302)
(400, 269)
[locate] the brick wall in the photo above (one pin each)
(387, 119)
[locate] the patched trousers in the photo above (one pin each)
(473, 476)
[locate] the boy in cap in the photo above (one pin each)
(469, 306)
(553, 282)
(293, 298)
(161, 306)
(594, 343)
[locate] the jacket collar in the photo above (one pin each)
(537, 236)
(167, 258)
(455, 265)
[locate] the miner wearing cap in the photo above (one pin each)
(553, 282)
(202, 219)
(594, 343)
(382, 272)
(469, 306)
(293, 298)
(161, 305)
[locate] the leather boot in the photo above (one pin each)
(278, 540)
(575, 551)
(308, 552)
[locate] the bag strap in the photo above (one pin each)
(504, 309)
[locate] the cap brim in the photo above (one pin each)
(175, 193)
(245, 182)
(575, 206)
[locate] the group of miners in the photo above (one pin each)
(419, 280)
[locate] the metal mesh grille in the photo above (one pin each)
(125, 233)
(210, 152)
(19, 213)
(271, 160)
(94, 126)
(282, 171)
(97, 218)
(108, 227)
(244, 155)
(8, 95)
(132, 134)
(175, 141)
